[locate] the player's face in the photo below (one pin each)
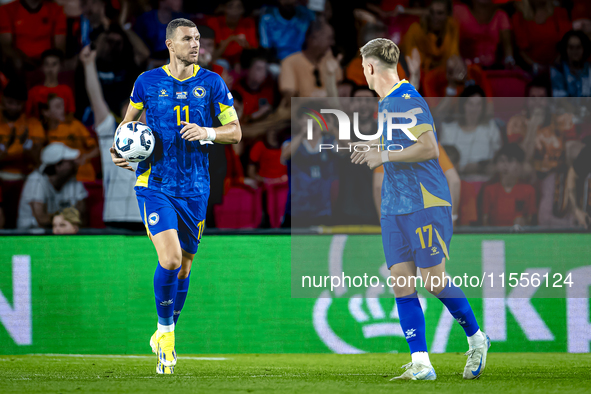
(185, 44)
(51, 66)
(61, 226)
(574, 49)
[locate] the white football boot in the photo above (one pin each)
(476, 360)
(417, 371)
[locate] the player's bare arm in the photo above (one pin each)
(423, 150)
(131, 115)
(230, 133)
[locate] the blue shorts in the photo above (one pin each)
(162, 212)
(422, 237)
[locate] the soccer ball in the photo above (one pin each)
(134, 141)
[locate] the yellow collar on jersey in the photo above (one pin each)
(394, 88)
(167, 71)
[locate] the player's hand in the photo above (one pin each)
(358, 155)
(372, 158)
(119, 161)
(192, 132)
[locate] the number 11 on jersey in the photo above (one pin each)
(178, 114)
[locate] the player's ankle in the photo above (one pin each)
(476, 340)
(421, 358)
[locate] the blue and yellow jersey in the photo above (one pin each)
(410, 187)
(178, 167)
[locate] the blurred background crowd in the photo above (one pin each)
(508, 84)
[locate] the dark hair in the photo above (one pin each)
(464, 96)
(563, 44)
(512, 152)
(16, 89)
(448, 5)
(453, 153)
(52, 53)
(175, 24)
(206, 32)
(540, 81)
(315, 26)
(249, 56)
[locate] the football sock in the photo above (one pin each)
(455, 300)
(412, 322)
(181, 296)
(165, 287)
(421, 358)
(477, 340)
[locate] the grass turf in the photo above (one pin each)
(297, 373)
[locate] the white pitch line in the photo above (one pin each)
(125, 356)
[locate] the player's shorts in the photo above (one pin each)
(422, 236)
(162, 212)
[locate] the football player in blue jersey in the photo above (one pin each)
(416, 217)
(188, 108)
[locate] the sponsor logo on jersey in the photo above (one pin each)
(199, 91)
(181, 95)
(230, 97)
(434, 251)
(163, 93)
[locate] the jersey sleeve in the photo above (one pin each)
(136, 100)
(223, 102)
(420, 109)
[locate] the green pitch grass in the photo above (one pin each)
(296, 373)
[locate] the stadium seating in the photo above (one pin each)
(276, 199)
(241, 208)
(508, 83)
(95, 203)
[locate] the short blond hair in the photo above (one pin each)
(383, 49)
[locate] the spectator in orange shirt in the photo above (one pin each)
(21, 137)
(466, 207)
(29, 27)
(266, 156)
(509, 202)
(436, 37)
(51, 61)
(233, 32)
(539, 27)
(451, 79)
(256, 88)
(72, 134)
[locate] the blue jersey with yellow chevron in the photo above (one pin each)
(177, 167)
(410, 187)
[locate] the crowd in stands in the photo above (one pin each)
(67, 68)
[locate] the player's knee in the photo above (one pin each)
(433, 288)
(184, 273)
(171, 260)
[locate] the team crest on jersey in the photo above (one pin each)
(199, 91)
(153, 218)
(181, 95)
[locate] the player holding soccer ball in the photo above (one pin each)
(416, 215)
(182, 102)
